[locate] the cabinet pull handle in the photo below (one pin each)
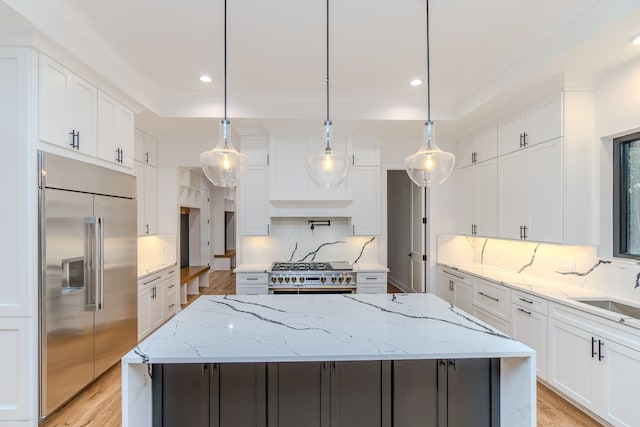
(489, 296)
(267, 159)
(452, 285)
(152, 280)
(146, 157)
(170, 287)
(524, 311)
(524, 139)
(600, 355)
(524, 231)
(370, 278)
(454, 275)
(172, 305)
(146, 228)
(252, 278)
(525, 300)
(593, 349)
(268, 231)
(354, 229)
(353, 159)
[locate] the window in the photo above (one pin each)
(626, 196)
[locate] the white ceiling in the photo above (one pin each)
(155, 50)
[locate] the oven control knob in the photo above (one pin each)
(341, 279)
(280, 279)
(323, 279)
(273, 280)
(348, 279)
(286, 279)
(333, 279)
(302, 280)
(293, 279)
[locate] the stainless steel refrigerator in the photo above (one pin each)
(88, 274)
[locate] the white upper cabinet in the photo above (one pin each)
(531, 194)
(365, 208)
(253, 191)
(365, 151)
(67, 108)
(478, 147)
(256, 147)
(115, 131)
(539, 122)
(145, 148)
(478, 199)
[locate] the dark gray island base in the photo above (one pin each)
(401, 393)
(327, 361)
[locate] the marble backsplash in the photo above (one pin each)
(157, 249)
(292, 239)
(574, 265)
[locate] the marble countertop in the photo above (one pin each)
(147, 269)
(252, 268)
(554, 291)
(281, 328)
(369, 267)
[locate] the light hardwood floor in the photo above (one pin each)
(99, 404)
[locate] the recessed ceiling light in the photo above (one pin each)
(205, 79)
(636, 40)
(415, 82)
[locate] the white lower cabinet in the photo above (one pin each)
(157, 300)
(500, 324)
(530, 328)
(588, 365)
(457, 289)
(371, 283)
(252, 283)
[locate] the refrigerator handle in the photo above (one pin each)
(90, 266)
(100, 260)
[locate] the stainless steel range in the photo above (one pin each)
(311, 277)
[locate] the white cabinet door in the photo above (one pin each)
(485, 143)
(464, 296)
(254, 202)
(365, 208)
(115, 131)
(510, 130)
(512, 184)
(84, 115)
(545, 192)
(55, 92)
(140, 198)
(150, 199)
(256, 148)
(572, 356)
(446, 290)
(465, 152)
(15, 360)
(156, 309)
(144, 313)
(138, 145)
(365, 151)
(487, 198)
(530, 328)
(289, 179)
(150, 150)
(467, 200)
(544, 119)
(619, 386)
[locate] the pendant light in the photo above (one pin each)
(224, 165)
(328, 167)
(430, 165)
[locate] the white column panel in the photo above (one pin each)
(15, 387)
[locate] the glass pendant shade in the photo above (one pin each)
(223, 165)
(430, 165)
(327, 167)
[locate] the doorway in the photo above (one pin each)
(406, 233)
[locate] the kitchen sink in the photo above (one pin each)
(614, 306)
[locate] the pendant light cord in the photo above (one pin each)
(225, 61)
(327, 77)
(428, 70)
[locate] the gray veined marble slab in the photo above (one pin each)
(280, 328)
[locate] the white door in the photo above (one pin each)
(418, 249)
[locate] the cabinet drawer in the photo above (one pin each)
(530, 302)
(368, 288)
(493, 298)
(455, 275)
(171, 308)
(371, 278)
(251, 278)
(252, 289)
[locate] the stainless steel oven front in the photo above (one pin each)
(311, 278)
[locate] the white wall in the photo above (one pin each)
(617, 113)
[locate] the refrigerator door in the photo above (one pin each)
(116, 317)
(66, 314)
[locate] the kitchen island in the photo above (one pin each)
(272, 358)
